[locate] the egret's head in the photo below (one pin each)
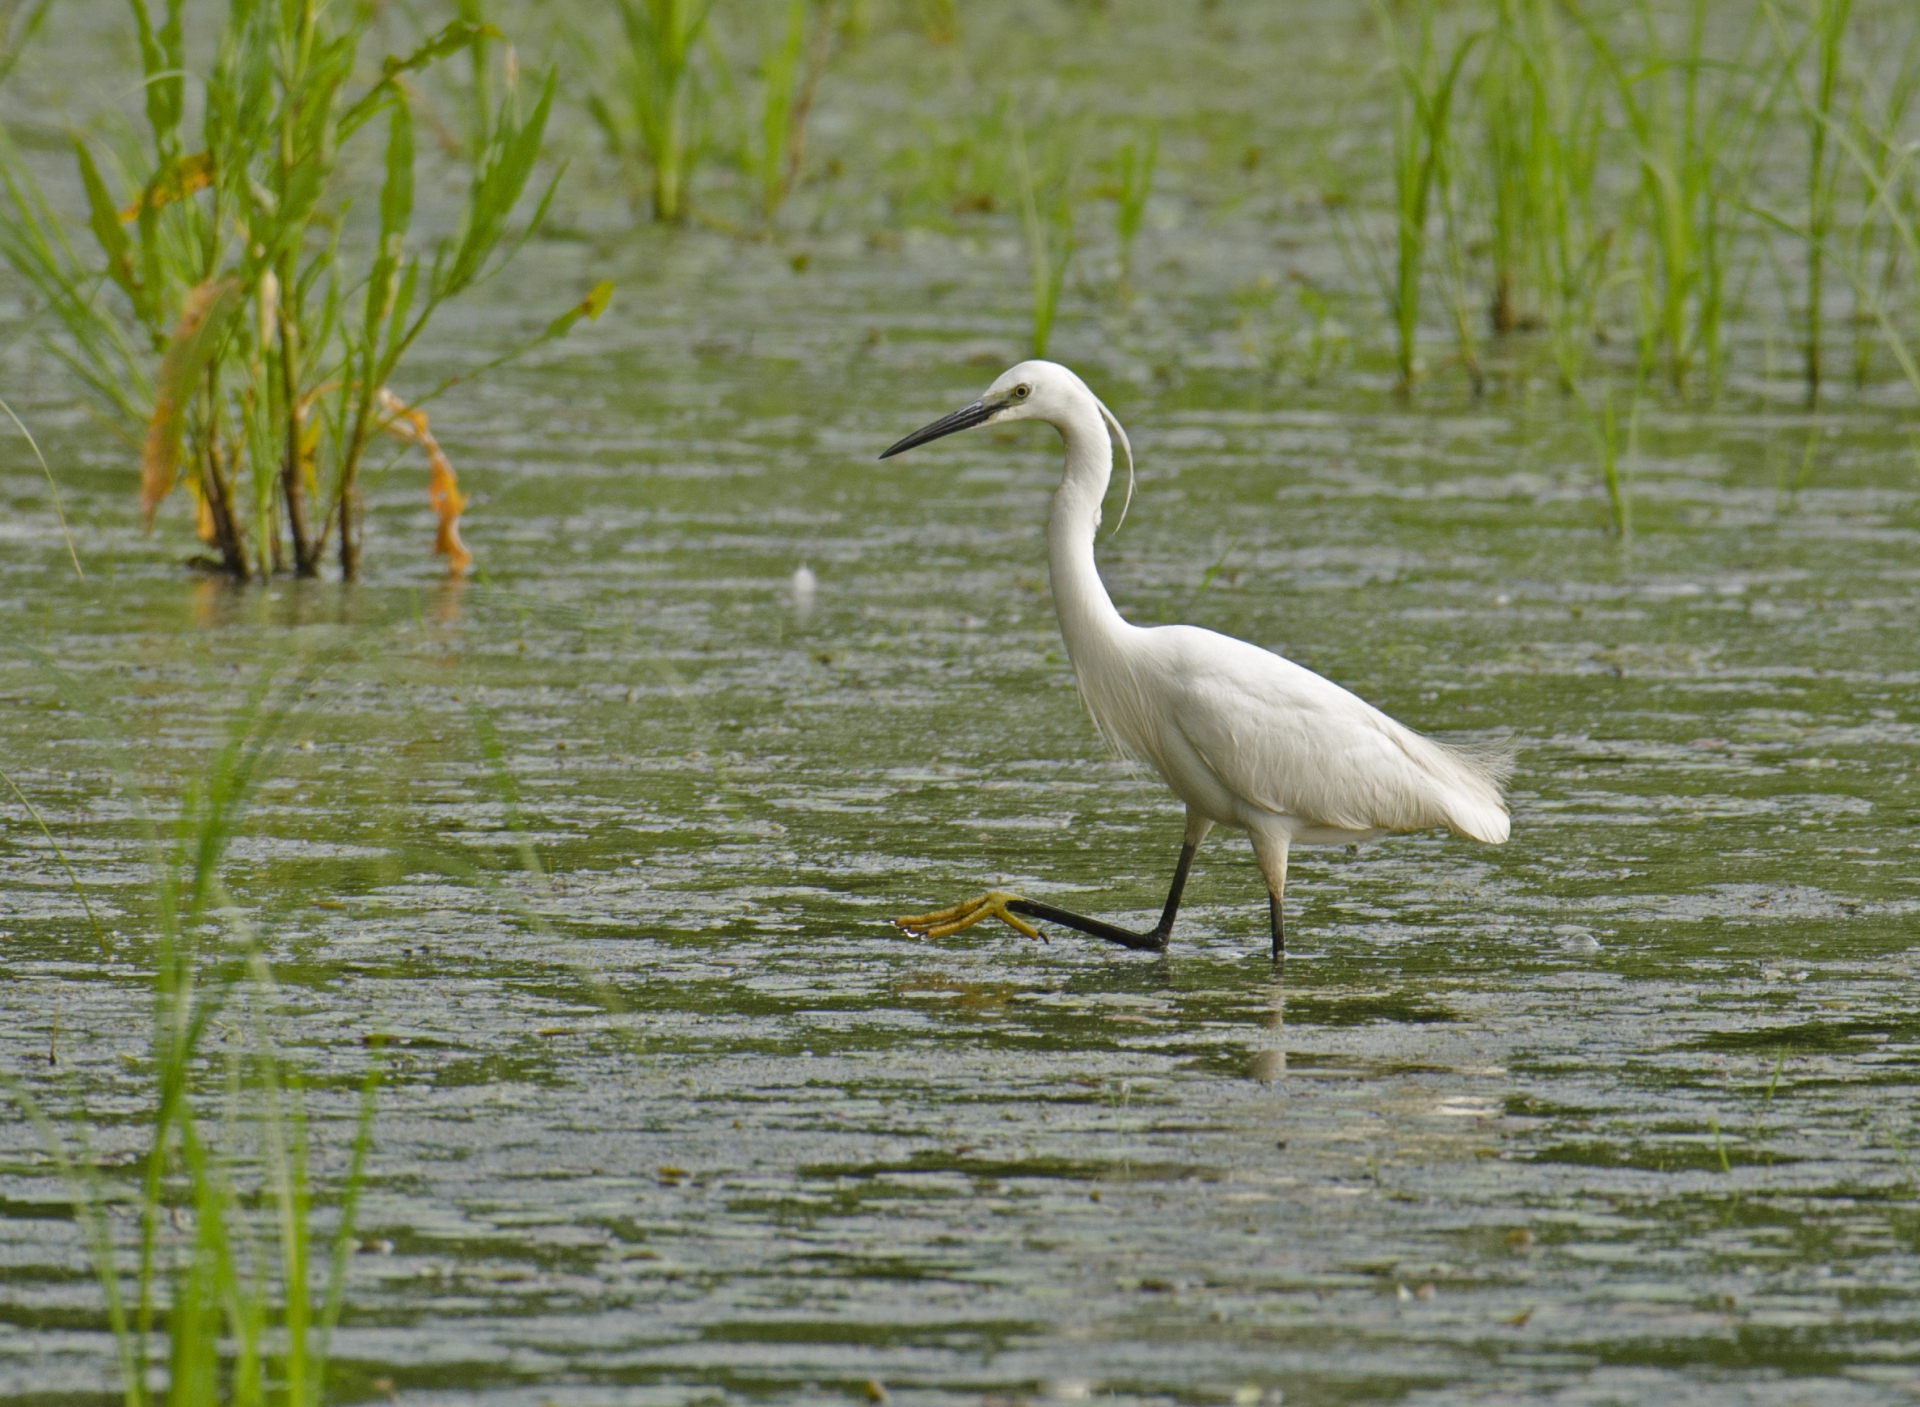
(1030, 391)
(1033, 390)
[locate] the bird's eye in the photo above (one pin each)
(1020, 393)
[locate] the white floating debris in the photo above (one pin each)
(1576, 939)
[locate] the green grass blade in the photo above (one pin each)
(53, 488)
(103, 217)
(99, 933)
(90, 1211)
(343, 1236)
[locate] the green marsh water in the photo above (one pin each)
(1617, 1112)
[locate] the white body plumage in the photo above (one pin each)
(1246, 738)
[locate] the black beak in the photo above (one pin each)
(964, 418)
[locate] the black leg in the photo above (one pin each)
(1279, 927)
(1152, 941)
(1165, 927)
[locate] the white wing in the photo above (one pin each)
(1284, 739)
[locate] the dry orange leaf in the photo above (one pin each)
(310, 428)
(443, 488)
(203, 523)
(195, 338)
(189, 174)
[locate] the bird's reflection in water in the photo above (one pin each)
(1269, 1061)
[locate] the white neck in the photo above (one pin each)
(1087, 616)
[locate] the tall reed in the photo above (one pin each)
(1829, 28)
(1824, 35)
(1885, 164)
(1694, 122)
(1131, 187)
(1425, 83)
(20, 20)
(1574, 241)
(1527, 190)
(1514, 149)
(791, 67)
(1872, 138)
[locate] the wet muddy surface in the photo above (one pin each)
(603, 842)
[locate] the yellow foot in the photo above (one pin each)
(992, 904)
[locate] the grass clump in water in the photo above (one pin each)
(233, 320)
(957, 169)
(1623, 169)
(1543, 125)
(653, 122)
(1047, 217)
(1423, 163)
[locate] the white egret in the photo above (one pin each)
(1247, 739)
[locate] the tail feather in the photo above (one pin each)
(1477, 807)
(1491, 758)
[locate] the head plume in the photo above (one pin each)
(1121, 435)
